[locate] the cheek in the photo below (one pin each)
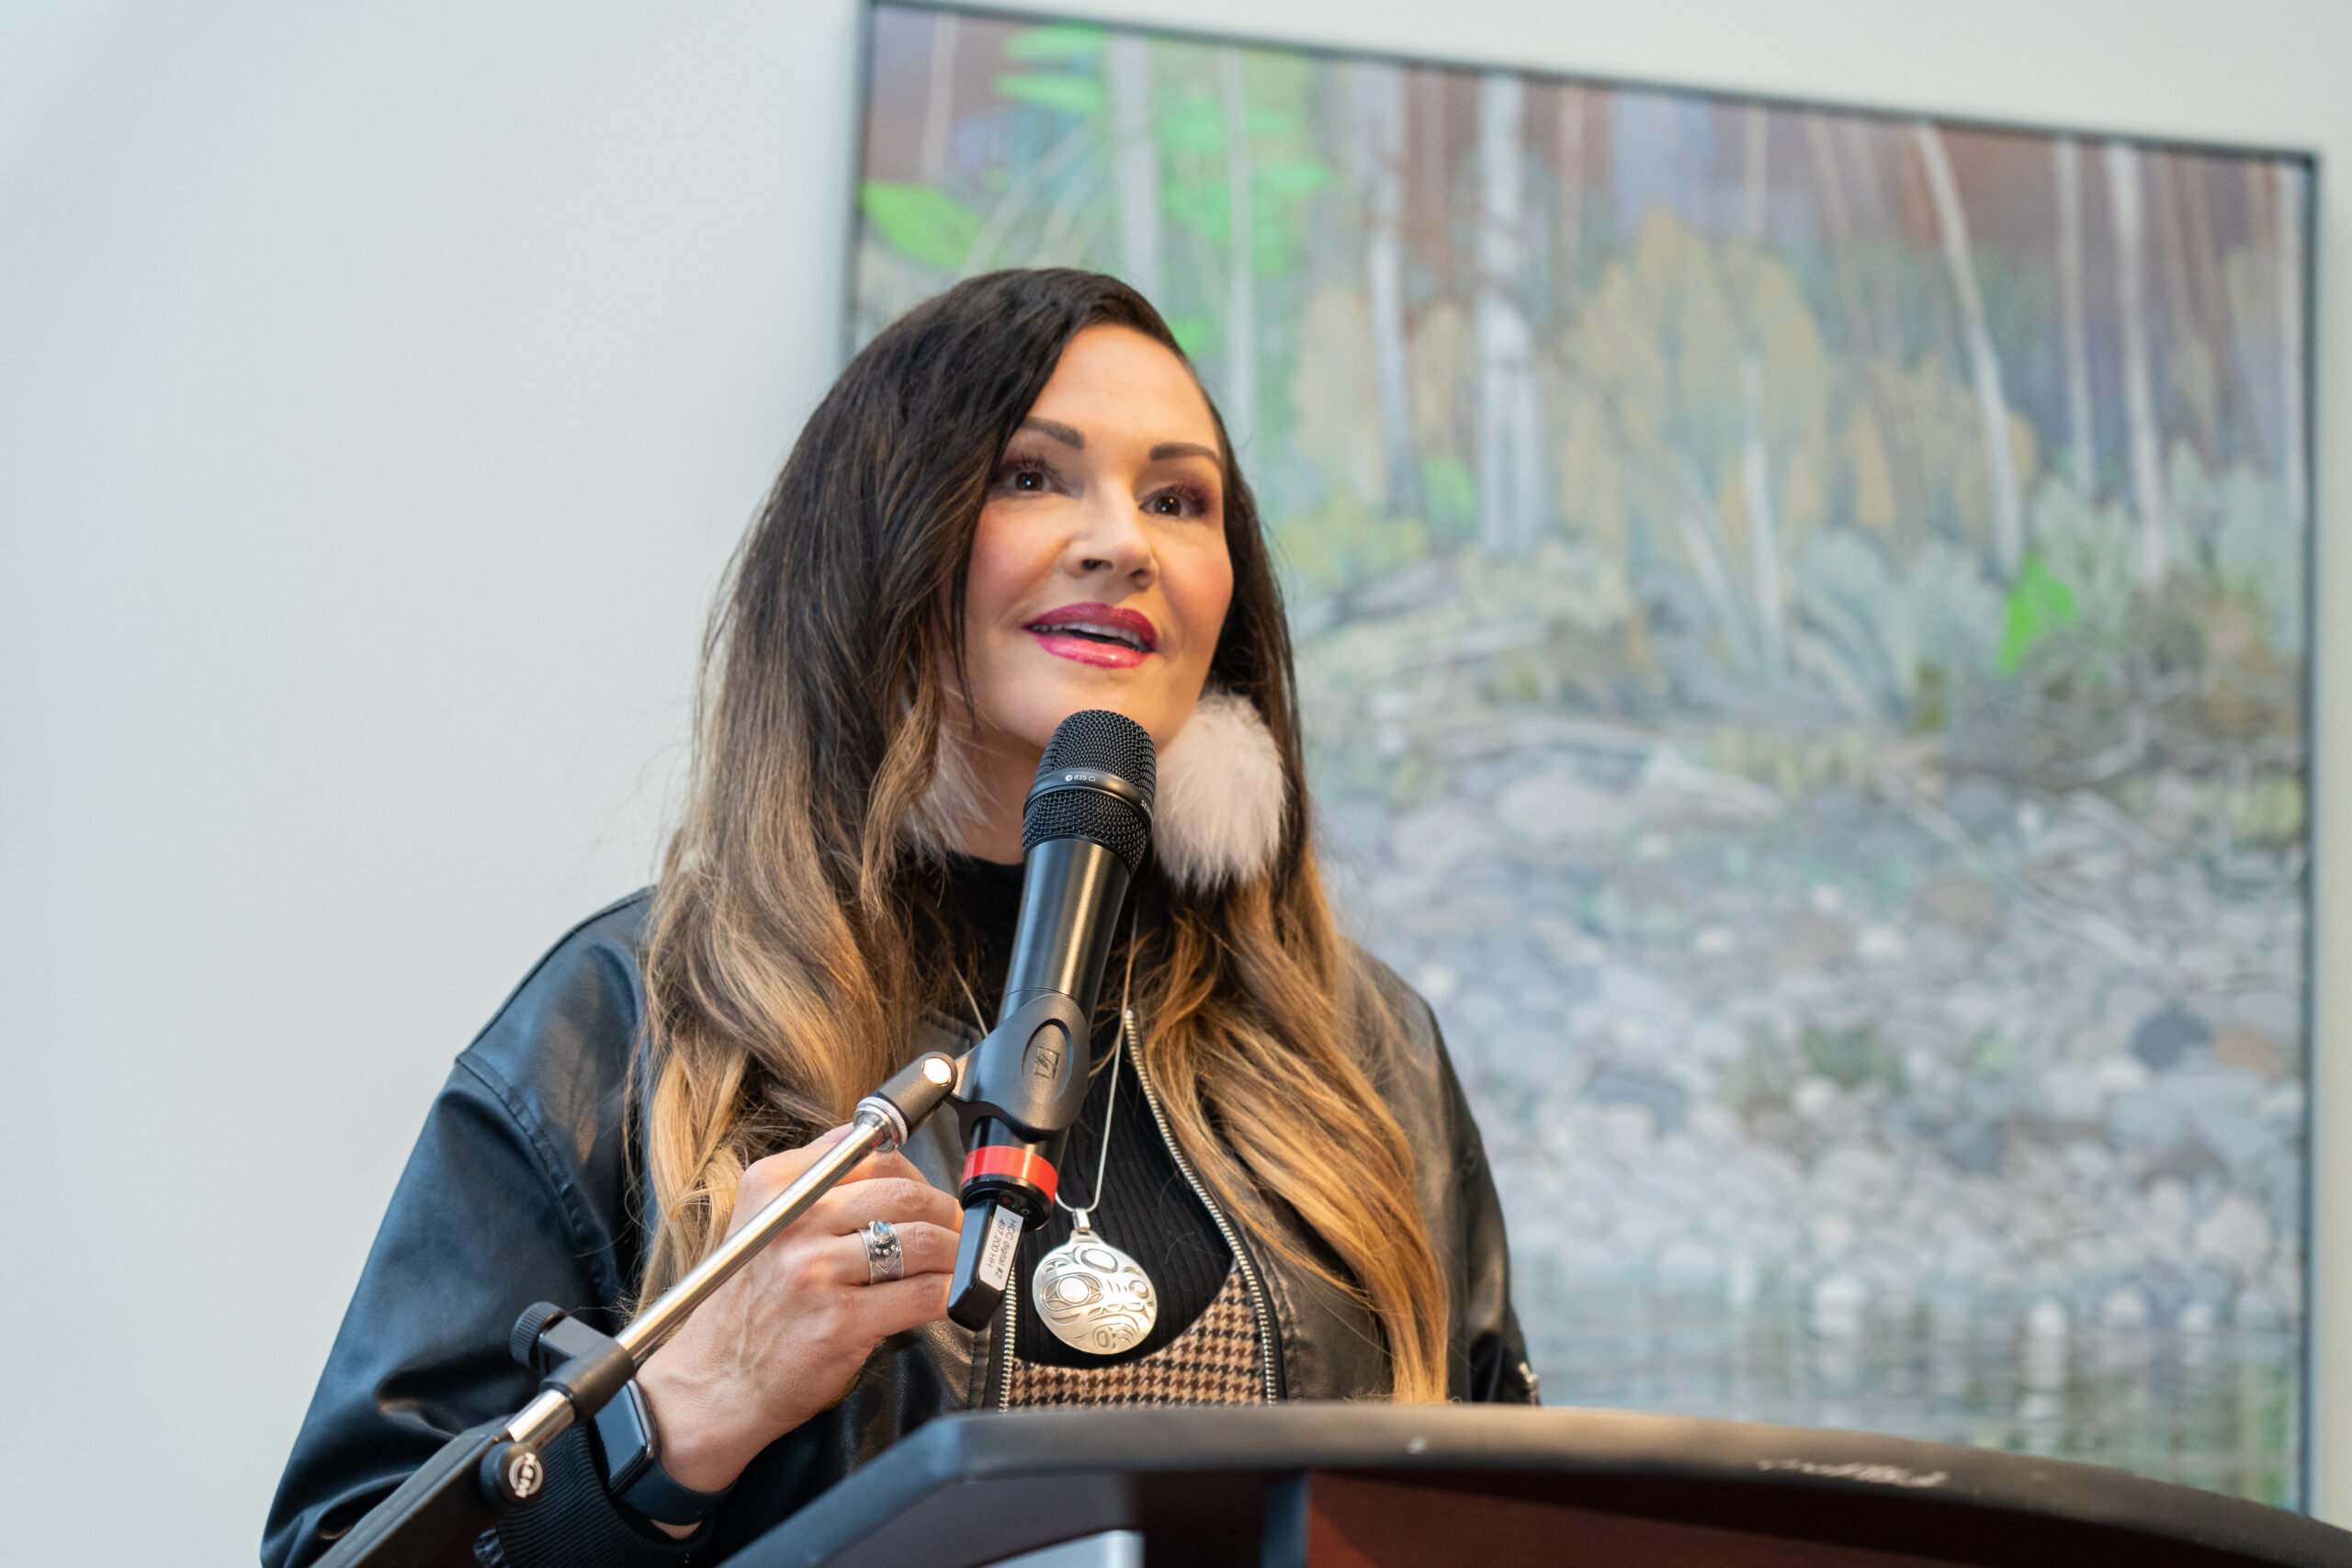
(1201, 590)
(998, 573)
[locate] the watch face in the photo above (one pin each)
(626, 1434)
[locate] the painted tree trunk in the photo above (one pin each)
(1379, 95)
(2208, 294)
(1863, 138)
(1756, 153)
(2189, 361)
(1756, 457)
(2072, 328)
(1570, 157)
(1763, 537)
(2290, 274)
(2153, 559)
(1992, 406)
(1241, 266)
(1868, 336)
(1510, 452)
(1134, 162)
(2250, 324)
(939, 106)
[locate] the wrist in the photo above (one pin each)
(629, 1443)
(700, 1448)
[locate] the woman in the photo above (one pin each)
(1015, 503)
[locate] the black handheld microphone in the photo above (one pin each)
(1085, 829)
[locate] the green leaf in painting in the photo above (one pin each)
(2039, 604)
(1274, 254)
(1192, 125)
(1062, 42)
(927, 225)
(1196, 333)
(1452, 492)
(1053, 90)
(1293, 176)
(1199, 204)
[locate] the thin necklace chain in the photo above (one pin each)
(1118, 1053)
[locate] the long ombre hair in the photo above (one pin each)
(782, 966)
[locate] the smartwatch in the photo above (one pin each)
(633, 1472)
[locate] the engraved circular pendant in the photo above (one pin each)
(1094, 1297)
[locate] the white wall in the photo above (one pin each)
(381, 387)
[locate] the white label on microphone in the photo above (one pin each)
(996, 1253)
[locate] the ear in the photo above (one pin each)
(1219, 816)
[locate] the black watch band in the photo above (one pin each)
(633, 1473)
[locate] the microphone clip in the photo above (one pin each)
(1030, 1071)
(1025, 1086)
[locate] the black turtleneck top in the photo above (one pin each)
(1146, 1208)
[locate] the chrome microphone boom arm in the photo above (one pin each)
(431, 1520)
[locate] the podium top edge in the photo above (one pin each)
(965, 1449)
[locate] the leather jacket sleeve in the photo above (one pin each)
(1486, 1354)
(1331, 1343)
(1494, 1368)
(509, 1197)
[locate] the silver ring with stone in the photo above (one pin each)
(884, 1260)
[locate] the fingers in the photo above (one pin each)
(922, 1249)
(897, 1305)
(881, 1162)
(888, 1167)
(884, 1162)
(763, 1178)
(848, 1207)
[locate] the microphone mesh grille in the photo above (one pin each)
(1110, 743)
(1091, 814)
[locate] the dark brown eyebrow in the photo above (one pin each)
(1168, 450)
(1068, 435)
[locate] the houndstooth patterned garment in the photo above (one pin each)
(1213, 1362)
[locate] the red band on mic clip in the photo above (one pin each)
(1020, 1164)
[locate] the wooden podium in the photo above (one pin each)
(1326, 1485)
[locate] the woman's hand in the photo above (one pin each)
(786, 1336)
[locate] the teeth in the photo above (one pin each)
(1111, 634)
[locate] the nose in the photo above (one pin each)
(1111, 541)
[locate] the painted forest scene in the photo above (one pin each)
(1801, 623)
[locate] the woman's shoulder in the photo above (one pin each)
(558, 1052)
(1393, 1018)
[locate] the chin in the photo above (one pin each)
(1041, 713)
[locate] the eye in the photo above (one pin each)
(1177, 501)
(1024, 476)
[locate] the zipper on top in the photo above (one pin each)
(1004, 1356)
(1268, 1356)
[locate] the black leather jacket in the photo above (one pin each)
(521, 1190)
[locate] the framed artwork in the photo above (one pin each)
(1802, 620)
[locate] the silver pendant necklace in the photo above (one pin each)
(1092, 1296)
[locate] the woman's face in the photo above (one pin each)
(1099, 575)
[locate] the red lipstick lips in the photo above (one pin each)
(1099, 634)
